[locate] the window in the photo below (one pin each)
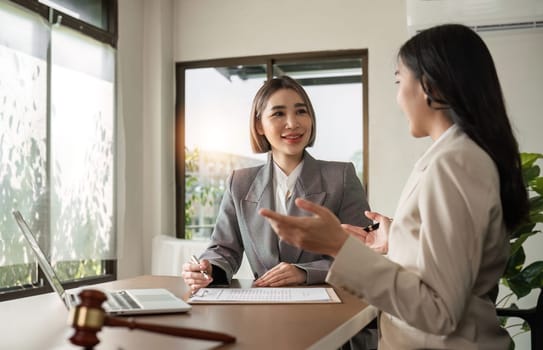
(213, 106)
(57, 141)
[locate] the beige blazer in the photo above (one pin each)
(239, 227)
(448, 248)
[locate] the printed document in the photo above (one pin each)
(264, 295)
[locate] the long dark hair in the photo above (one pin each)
(457, 72)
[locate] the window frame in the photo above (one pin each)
(110, 37)
(268, 61)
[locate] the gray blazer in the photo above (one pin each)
(240, 228)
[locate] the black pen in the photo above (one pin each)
(195, 260)
(371, 227)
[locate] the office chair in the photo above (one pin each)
(534, 318)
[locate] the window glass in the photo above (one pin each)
(57, 142)
(335, 89)
(217, 105)
(23, 131)
(82, 126)
(90, 11)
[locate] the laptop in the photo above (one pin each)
(120, 302)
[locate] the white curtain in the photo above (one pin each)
(24, 38)
(56, 151)
(82, 147)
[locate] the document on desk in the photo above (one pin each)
(264, 295)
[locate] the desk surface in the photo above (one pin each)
(40, 322)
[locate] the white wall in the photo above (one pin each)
(209, 29)
(130, 128)
(518, 55)
(158, 124)
(146, 198)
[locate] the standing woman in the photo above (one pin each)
(448, 244)
(282, 124)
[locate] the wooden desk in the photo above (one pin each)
(40, 323)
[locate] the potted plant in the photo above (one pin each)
(521, 279)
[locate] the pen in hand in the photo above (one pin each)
(195, 260)
(371, 227)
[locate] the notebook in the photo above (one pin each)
(120, 302)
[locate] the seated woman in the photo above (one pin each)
(282, 124)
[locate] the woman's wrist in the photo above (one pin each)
(338, 243)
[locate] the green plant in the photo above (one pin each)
(521, 279)
(198, 192)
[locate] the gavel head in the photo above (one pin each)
(87, 318)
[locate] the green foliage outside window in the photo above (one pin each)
(198, 193)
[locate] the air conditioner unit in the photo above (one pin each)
(481, 15)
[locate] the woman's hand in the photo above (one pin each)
(376, 239)
(319, 233)
(193, 276)
(282, 274)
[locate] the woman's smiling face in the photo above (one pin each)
(286, 123)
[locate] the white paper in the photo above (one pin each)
(263, 295)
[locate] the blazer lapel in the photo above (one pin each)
(262, 237)
(308, 186)
(422, 164)
(412, 182)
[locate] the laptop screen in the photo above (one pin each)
(46, 267)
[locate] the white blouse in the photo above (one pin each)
(283, 185)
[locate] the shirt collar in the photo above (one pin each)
(284, 181)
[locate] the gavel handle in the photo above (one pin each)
(175, 331)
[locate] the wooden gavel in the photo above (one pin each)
(88, 317)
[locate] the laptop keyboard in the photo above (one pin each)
(121, 301)
(115, 301)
